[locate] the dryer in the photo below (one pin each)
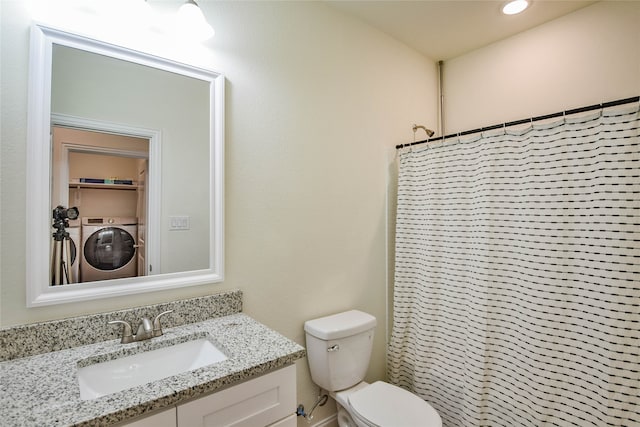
(74, 236)
(108, 248)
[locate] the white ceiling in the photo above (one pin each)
(444, 29)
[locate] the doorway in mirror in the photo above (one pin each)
(104, 175)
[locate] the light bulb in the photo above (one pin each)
(192, 23)
(141, 11)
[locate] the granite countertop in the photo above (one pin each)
(43, 389)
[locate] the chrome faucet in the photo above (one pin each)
(146, 328)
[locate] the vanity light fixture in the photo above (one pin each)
(515, 6)
(141, 11)
(192, 23)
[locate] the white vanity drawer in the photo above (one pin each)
(260, 402)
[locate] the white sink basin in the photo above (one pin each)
(116, 375)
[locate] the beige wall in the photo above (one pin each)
(584, 58)
(315, 103)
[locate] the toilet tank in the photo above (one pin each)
(339, 348)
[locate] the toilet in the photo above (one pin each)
(338, 351)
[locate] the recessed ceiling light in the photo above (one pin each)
(515, 6)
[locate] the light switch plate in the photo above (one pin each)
(179, 223)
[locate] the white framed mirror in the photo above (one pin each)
(135, 143)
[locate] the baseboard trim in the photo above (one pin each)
(330, 421)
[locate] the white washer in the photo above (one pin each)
(108, 248)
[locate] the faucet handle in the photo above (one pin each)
(157, 327)
(127, 333)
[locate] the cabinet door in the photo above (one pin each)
(165, 418)
(255, 403)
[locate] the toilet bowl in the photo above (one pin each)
(338, 350)
(381, 404)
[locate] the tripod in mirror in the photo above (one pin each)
(61, 272)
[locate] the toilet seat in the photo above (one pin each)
(381, 404)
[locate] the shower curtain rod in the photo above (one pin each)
(530, 120)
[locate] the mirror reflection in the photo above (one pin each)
(124, 171)
(99, 172)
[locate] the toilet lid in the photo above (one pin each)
(382, 404)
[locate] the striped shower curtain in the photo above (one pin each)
(517, 275)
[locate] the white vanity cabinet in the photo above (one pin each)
(268, 400)
(260, 402)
